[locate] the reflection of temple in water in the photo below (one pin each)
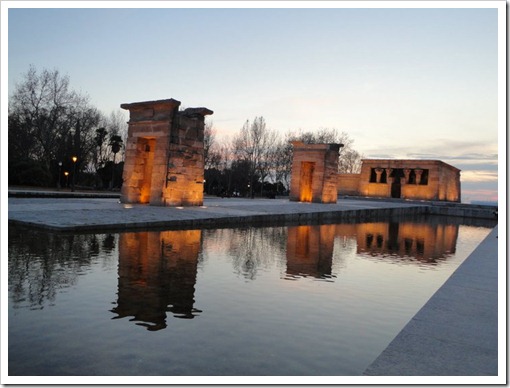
(310, 250)
(157, 274)
(424, 241)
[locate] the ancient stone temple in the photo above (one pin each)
(420, 179)
(164, 163)
(314, 172)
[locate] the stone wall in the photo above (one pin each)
(164, 163)
(348, 184)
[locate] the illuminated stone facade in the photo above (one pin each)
(314, 172)
(431, 180)
(164, 162)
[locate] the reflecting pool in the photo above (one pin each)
(263, 301)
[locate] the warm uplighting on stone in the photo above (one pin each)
(164, 163)
(157, 276)
(424, 241)
(314, 172)
(310, 250)
(431, 180)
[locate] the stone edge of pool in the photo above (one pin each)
(113, 216)
(456, 332)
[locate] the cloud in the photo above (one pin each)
(479, 176)
(461, 156)
(440, 149)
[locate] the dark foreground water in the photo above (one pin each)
(263, 301)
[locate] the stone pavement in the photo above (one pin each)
(90, 214)
(456, 332)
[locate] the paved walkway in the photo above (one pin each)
(456, 332)
(81, 214)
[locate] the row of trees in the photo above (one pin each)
(54, 133)
(50, 125)
(258, 160)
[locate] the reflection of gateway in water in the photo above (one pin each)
(157, 273)
(158, 270)
(310, 250)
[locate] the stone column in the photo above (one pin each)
(418, 173)
(407, 172)
(388, 173)
(378, 173)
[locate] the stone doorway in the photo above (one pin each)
(396, 189)
(396, 186)
(145, 161)
(305, 183)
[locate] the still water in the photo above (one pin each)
(263, 301)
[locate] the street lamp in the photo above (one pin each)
(66, 173)
(59, 171)
(74, 158)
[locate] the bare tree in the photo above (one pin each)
(283, 160)
(250, 146)
(209, 144)
(49, 123)
(48, 110)
(350, 161)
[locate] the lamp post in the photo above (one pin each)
(59, 171)
(66, 173)
(74, 158)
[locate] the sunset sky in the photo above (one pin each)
(418, 81)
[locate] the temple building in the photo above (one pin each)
(164, 162)
(431, 180)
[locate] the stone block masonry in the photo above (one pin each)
(164, 163)
(314, 172)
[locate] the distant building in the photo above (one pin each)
(431, 180)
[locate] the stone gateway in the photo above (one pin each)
(164, 162)
(314, 172)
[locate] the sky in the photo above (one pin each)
(416, 81)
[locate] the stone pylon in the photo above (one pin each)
(314, 172)
(164, 163)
